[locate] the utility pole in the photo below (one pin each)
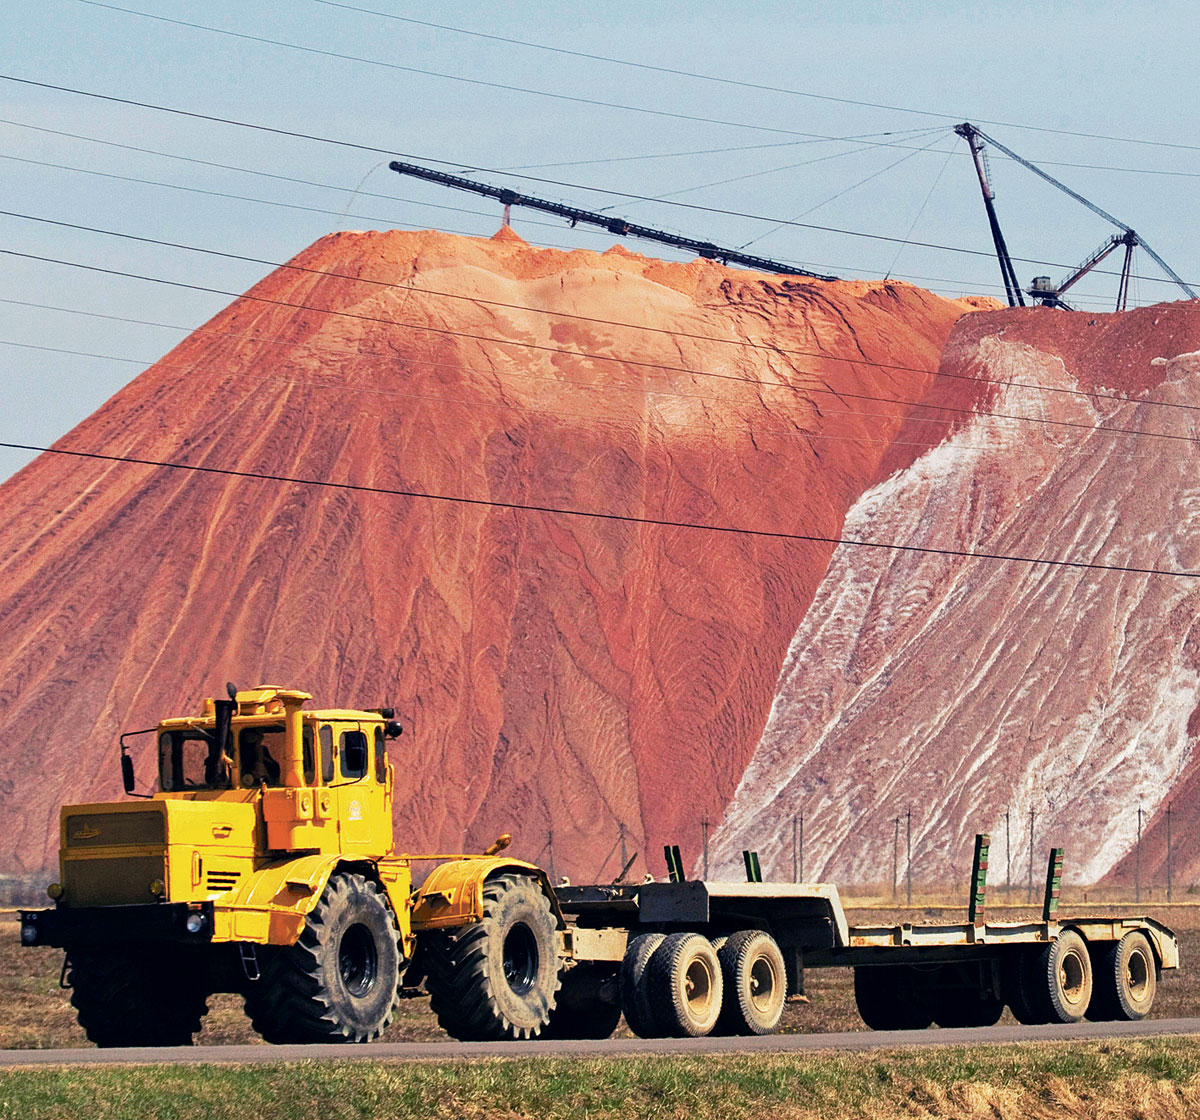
(795, 854)
(895, 855)
(1008, 853)
(704, 826)
(1170, 853)
(1029, 887)
(801, 869)
(1137, 879)
(909, 846)
(550, 845)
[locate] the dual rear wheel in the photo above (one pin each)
(683, 985)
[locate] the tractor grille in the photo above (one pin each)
(119, 881)
(218, 882)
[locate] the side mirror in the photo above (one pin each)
(127, 772)
(392, 729)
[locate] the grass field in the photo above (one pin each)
(34, 1012)
(1150, 1080)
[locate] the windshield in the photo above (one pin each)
(184, 762)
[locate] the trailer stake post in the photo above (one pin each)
(979, 869)
(1053, 885)
(674, 863)
(753, 869)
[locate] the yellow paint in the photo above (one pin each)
(453, 894)
(261, 854)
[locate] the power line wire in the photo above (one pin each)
(563, 511)
(960, 285)
(399, 67)
(986, 254)
(757, 86)
(674, 333)
(444, 331)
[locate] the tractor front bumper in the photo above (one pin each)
(186, 923)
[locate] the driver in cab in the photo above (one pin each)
(258, 765)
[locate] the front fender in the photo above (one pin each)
(270, 905)
(453, 894)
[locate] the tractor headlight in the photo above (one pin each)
(194, 923)
(55, 891)
(157, 886)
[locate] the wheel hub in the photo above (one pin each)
(358, 960)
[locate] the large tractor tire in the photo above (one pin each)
(685, 985)
(755, 982)
(497, 979)
(1125, 980)
(586, 1006)
(636, 1003)
(340, 981)
(889, 998)
(127, 997)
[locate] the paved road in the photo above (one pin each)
(443, 1051)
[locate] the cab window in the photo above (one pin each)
(353, 748)
(380, 757)
(326, 737)
(184, 762)
(259, 752)
(310, 758)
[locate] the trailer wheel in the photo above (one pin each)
(685, 985)
(970, 1002)
(755, 982)
(635, 996)
(1020, 989)
(340, 981)
(889, 998)
(1126, 980)
(125, 997)
(1064, 972)
(495, 980)
(581, 1010)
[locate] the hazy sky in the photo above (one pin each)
(1027, 73)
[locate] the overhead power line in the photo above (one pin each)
(600, 515)
(678, 72)
(590, 319)
(552, 182)
(928, 281)
(481, 82)
(816, 390)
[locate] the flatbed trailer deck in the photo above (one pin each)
(735, 952)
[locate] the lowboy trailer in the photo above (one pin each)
(693, 957)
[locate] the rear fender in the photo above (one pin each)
(453, 894)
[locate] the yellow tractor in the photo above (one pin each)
(266, 864)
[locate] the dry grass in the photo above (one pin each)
(34, 1012)
(1150, 1080)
